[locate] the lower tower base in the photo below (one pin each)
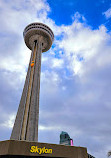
(24, 149)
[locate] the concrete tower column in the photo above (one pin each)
(38, 37)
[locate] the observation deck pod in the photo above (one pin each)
(35, 31)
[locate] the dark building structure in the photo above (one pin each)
(65, 138)
(90, 156)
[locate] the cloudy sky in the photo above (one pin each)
(75, 91)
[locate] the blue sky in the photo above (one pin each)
(75, 93)
(92, 10)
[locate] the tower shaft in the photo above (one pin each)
(26, 122)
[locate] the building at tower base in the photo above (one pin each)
(25, 149)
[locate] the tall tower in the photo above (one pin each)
(38, 37)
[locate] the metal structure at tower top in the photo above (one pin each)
(39, 38)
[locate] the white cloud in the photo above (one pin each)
(9, 121)
(107, 13)
(81, 45)
(57, 63)
(17, 13)
(77, 16)
(64, 88)
(50, 77)
(45, 128)
(51, 62)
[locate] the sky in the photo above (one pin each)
(75, 88)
